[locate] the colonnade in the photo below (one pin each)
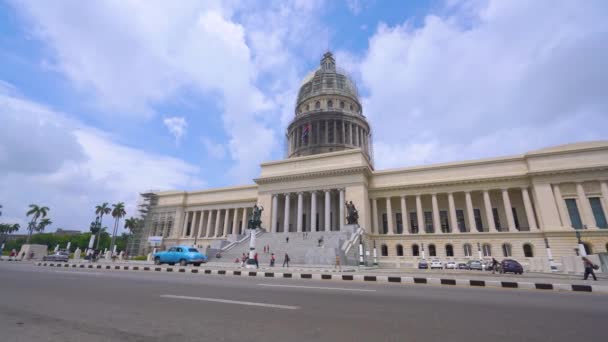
(214, 223)
(322, 132)
(327, 222)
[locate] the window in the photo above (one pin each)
(415, 250)
(179, 250)
(428, 221)
(528, 253)
(399, 220)
(506, 250)
(317, 105)
(399, 250)
(330, 104)
(598, 212)
(467, 250)
(575, 217)
(351, 107)
(515, 218)
(172, 249)
(384, 224)
(342, 104)
(307, 107)
(194, 250)
(478, 221)
(443, 218)
(460, 218)
(384, 250)
(432, 250)
(449, 250)
(496, 218)
(414, 222)
(486, 249)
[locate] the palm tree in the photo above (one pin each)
(133, 225)
(101, 210)
(117, 213)
(42, 224)
(6, 229)
(36, 212)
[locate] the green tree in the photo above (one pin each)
(6, 229)
(101, 210)
(118, 212)
(35, 212)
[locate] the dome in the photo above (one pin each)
(327, 80)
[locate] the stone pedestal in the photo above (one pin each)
(77, 253)
(32, 252)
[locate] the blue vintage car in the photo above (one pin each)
(183, 255)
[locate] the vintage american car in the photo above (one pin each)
(183, 255)
(57, 256)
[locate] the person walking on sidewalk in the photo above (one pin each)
(286, 260)
(255, 258)
(243, 260)
(589, 267)
(494, 265)
(287, 239)
(338, 266)
(272, 258)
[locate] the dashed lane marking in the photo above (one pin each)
(238, 302)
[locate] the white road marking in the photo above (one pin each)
(226, 301)
(77, 272)
(319, 287)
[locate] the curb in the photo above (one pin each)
(349, 277)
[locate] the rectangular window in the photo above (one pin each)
(460, 218)
(496, 218)
(575, 217)
(515, 218)
(399, 220)
(428, 221)
(598, 212)
(414, 222)
(443, 218)
(384, 224)
(478, 221)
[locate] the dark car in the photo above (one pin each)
(58, 256)
(423, 265)
(462, 266)
(511, 266)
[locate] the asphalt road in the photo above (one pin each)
(45, 304)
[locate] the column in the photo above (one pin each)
(352, 133)
(209, 217)
(275, 208)
(604, 187)
(245, 224)
(335, 131)
(343, 132)
(587, 213)
(528, 207)
(326, 131)
(470, 214)
(356, 135)
(327, 211)
(235, 221)
(488, 206)
(452, 214)
(286, 216)
(508, 210)
(436, 219)
(389, 216)
(375, 228)
(420, 215)
(313, 211)
(185, 225)
(341, 211)
(226, 219)
(300, 213)
(404, 216)
(217, 222)
(559, 201)
(201, 224)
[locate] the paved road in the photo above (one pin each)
(86, 305)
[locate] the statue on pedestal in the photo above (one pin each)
(352, 215)
(77, 253)
(255, 219)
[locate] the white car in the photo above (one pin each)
(435, 263)
(450, 265)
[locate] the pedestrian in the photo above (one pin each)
(13, 254)
(255, 258)
(286, 260)
(494, 265)
(268, 249)
(90, 254)
(287, 239)
(338, 266)
(264, 249)
(272, 259)
(589, 267)
(243, 259)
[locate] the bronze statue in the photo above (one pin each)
(255, 218)
(352, 215)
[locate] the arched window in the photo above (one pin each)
(317, 105)
(432, 250)
(449, 250)
(415, 250)
(342, 104)
(506, 250)
(351, 107)
(330, 104)
(307, 107)
(384, 250)
(467, 250)
(528, 252)
(399, 250)
(486, 248)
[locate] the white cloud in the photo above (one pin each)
(214, 149)
(485, 79)
(176, 126)
(71, 167)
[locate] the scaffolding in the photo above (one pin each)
(139, 243)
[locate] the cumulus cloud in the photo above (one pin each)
(487, 78)
(176, 126)
(214, 149)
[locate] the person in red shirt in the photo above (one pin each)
(255, 258)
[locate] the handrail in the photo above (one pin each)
(236, 242)
(348, 244)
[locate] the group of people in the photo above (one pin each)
(245, 258)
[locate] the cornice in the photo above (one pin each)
(307, 175)
(514, 177)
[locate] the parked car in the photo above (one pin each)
(436, 263)
(423, 265)
(450, 265)
(57, 256)
(183, 255)
(511, 266)
(462, 266)
(474, 265)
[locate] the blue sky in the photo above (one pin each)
(101, 100)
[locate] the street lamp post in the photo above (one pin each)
(98, 226)
(581, 247)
